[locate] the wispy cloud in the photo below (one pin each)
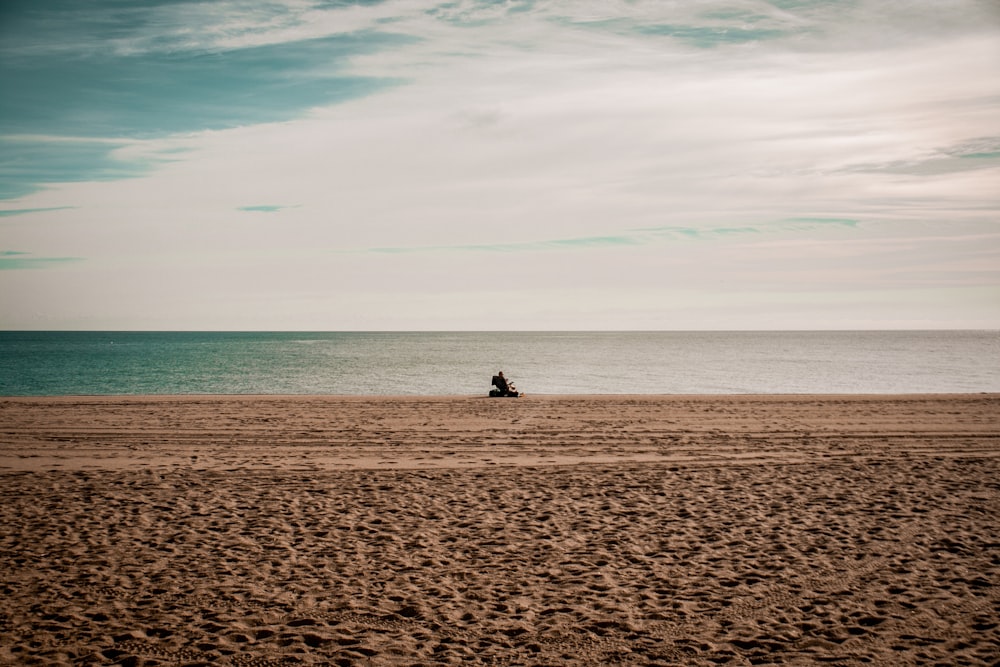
(813, 223)
(713, 31)
(970, 155)
(636, 237)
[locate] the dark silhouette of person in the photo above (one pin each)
(503, 387)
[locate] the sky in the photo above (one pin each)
(499, 165)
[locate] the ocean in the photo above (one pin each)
(442, 363)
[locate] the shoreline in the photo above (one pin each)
(541, 395)
(585, 530)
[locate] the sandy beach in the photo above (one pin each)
(545, 530)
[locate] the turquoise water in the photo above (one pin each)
(68, 363)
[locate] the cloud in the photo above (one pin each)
(628, 146)
(164, 68)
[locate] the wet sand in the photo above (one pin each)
(546, 530)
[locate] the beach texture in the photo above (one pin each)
(546, 530)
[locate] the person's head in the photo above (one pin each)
(500, 373)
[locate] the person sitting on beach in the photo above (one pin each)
(503, 387)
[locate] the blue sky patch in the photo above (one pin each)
(983, 148)
(154, 94)
(26, 211)
(265, 208)
(26, 163)
(63, 75)
(13, 260)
